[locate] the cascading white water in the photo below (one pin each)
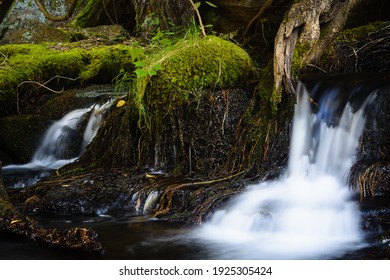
(51, 154)
(309, 212)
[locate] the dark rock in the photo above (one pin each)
(20, 134)
(371, 172)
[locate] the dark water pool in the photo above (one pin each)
(122, 238)
(143, 238)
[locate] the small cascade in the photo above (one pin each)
(309, 212)
(61, 144)
(53, 152)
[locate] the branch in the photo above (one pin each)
(199, 18)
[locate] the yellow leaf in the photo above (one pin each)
(15, 221)
(120, 103)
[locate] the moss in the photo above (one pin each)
(29, 62)
(358, 33)
(106, 62)
(269, 98)
(301, 50)
(59, 105)
(187, 68)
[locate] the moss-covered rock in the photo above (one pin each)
(360, 49)
(361, 32)
(176, 74)
(39, 63)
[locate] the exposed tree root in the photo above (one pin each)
(166, 197)
(309, 26)
(371, 180)
(258, 16)
(40, 85)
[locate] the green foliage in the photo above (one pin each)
(197, 4)
(123, 82)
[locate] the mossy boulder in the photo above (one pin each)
(174, 75)
(72, 64)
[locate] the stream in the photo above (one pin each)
(308, 213)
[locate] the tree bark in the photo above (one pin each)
(168, 13)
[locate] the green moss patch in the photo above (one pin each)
(359, 33)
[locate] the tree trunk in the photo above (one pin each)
(169, 13)
(107, 12)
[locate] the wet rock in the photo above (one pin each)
(35, 33)
(15, 224)
(18, 130)
(371, 172)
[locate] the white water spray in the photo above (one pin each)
(51, 154)
(306, 214)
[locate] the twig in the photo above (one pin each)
(168, 193)
(261, 12)
(199, 18)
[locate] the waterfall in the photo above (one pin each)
(309, 212)
(61, 144)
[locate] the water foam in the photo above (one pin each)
(309, 212)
